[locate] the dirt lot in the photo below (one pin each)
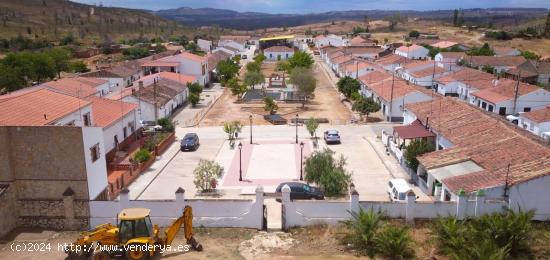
(326, 104)
(317, 242)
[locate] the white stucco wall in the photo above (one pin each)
(117, 128)
(273, 55)
(533, 127)
(76, 116)
(95, 171)
(534, 195)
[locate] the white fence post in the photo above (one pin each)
(285, 193)
(259, 206)
(409, 209)
(180, 198)
(461, 203)
(354, 199)
(124, 201)
(480, 201)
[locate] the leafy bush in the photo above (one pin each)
(329, 173)
(78, 67)
(167, 124)
(395, 242)
(232, 128)
(206, 174)
(270, 105)
(142, 155)
(363, 226)
(312, 124)
(365, 106)
(348, 85)
(194, 99)
(414, 34)
(135, 53)
(415, 149)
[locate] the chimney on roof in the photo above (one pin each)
(45, 117)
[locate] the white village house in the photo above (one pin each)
(413, 52)
(278, 53)
(536, 122)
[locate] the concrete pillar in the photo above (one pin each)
(461, 204)
(68, 205)
(260, 195)
(124, 199)
(259, 207)
(180, 198)
(480, 201)
(285, 194)
(354, 201)
(409, 208)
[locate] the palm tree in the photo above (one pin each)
(395, 242)
(364, 226)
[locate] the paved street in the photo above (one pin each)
(365, 155)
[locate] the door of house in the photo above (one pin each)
(116, 142)
(502, 111)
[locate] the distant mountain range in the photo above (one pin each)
(253, 20)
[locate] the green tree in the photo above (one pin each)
(300, 59)
(60, 58)
(42, 66)
(192, 47)
(259, 58)
(414, 34)
(328, 172)
(11, 78)
(283, 66)
(304, 81)
(348, 85)
(206, 175)
(365, 106)
(415, 149)
(232, 129)
(395, 242)
(142, 155)
(236, 88)
(253, 67)
(485, 50)
(166, 124)
(393, 20)
(364, 226)
(78, 67)
(252, 78)
(194, 99)
(194, 88)
(311, 125)
(226, 69)
(461, 18)
(135, 53)
(270, 105)
(530, 55)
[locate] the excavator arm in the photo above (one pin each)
(187, 220)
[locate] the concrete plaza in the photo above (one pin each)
(273, 158)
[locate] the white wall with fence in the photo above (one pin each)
(243, 213)
(304, 213)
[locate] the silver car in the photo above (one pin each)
(332, 137)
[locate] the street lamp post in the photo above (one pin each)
(240, 162)
(296, 122)
(250, 118)
(301, 161)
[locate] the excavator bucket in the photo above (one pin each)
(187, 221)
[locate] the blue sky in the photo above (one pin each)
(315, 6)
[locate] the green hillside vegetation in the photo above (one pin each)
(55, 20)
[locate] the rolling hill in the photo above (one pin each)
(54, 19)
(253, 20)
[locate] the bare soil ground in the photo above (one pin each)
(316, 242)
(325, 104)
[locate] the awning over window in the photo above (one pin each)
(412, 131)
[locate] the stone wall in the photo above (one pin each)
(8, 217)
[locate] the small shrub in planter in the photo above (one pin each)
(167, 125)
(142, 155)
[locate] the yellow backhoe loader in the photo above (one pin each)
(134, 237)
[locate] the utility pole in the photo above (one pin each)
(516, 90)
(391, 94)
(506, 181)
(155, 98)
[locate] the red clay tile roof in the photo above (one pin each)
(191, 56)
(467, 76)
(392, 59)
(215, 58)
(160, 63)
(353, 67)
(504, 90)
(494, 61)
(178, 77)
(375, 77)
(453, 55)
(412, 131)
(538, 116)
(341, 59)
(38, 107)
(335, 54)
(76, 87)
(383, 89)
(410, 48)
(107, 111)
(484, 138)
(418, 64)
(428, 72)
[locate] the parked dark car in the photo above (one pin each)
(301, 191)
(190, 142)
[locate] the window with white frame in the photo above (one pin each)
(95, 153)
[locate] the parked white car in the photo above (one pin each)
(514, 118)
(398, 189)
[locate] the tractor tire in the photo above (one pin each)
(101, 255)
(136, 254)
